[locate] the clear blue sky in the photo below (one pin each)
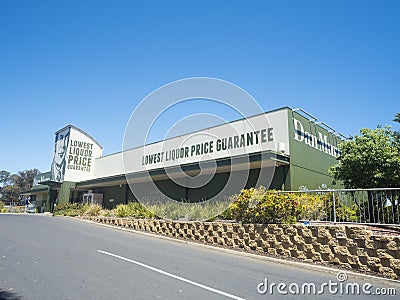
(89, 63)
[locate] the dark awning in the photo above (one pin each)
(266, 159)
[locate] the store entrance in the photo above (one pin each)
(53, 199)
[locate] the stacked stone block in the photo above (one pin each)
(352, 247)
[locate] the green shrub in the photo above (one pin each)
(254, 205)
(92, 210)
(188, 211)
(123, 210)
(312, 206)
(70, 209)
(1, 205)
(4, 210)
(132, 209)
(77, 209)
(106, 213)
(257, 205)
(262, 206)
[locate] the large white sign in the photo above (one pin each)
(211, 146)
(256, 134)
(74, 155)
(81, 155)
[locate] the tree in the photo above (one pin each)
(4, 181)
(370, 160)
(13, 184)
(24, 179)
(4, 177)
(397, 118)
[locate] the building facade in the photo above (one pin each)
(282, 149)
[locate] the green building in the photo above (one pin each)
(285, 149)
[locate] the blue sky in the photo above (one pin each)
(89, 63)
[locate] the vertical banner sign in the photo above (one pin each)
(81, 155)
(60, 155)
(74, 155)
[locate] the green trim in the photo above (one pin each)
(65, 191)
(34, 190)
(81, 131)
(280, 160)
(100, 180)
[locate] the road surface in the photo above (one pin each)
(43, 257)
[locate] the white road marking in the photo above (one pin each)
(172, 275)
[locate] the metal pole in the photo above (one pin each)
(334, 207)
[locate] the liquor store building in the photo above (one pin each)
(283, 149)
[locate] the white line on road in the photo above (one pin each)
(172, 275)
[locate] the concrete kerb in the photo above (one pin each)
(27, 214)
(284, 260)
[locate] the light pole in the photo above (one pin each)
(111, 202)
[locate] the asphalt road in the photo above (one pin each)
(42, 257)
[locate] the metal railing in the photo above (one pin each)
(366, 206)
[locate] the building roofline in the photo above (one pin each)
(207, 128)
(320, 124)
(81, 131)
(33, 190)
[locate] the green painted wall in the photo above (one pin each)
(213, 187)
(118, 193)
(53, 194)
(311, 179)
(130, 196)
(308, 165)
(65, 191)
(281, 180)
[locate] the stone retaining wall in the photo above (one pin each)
(348, 246)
